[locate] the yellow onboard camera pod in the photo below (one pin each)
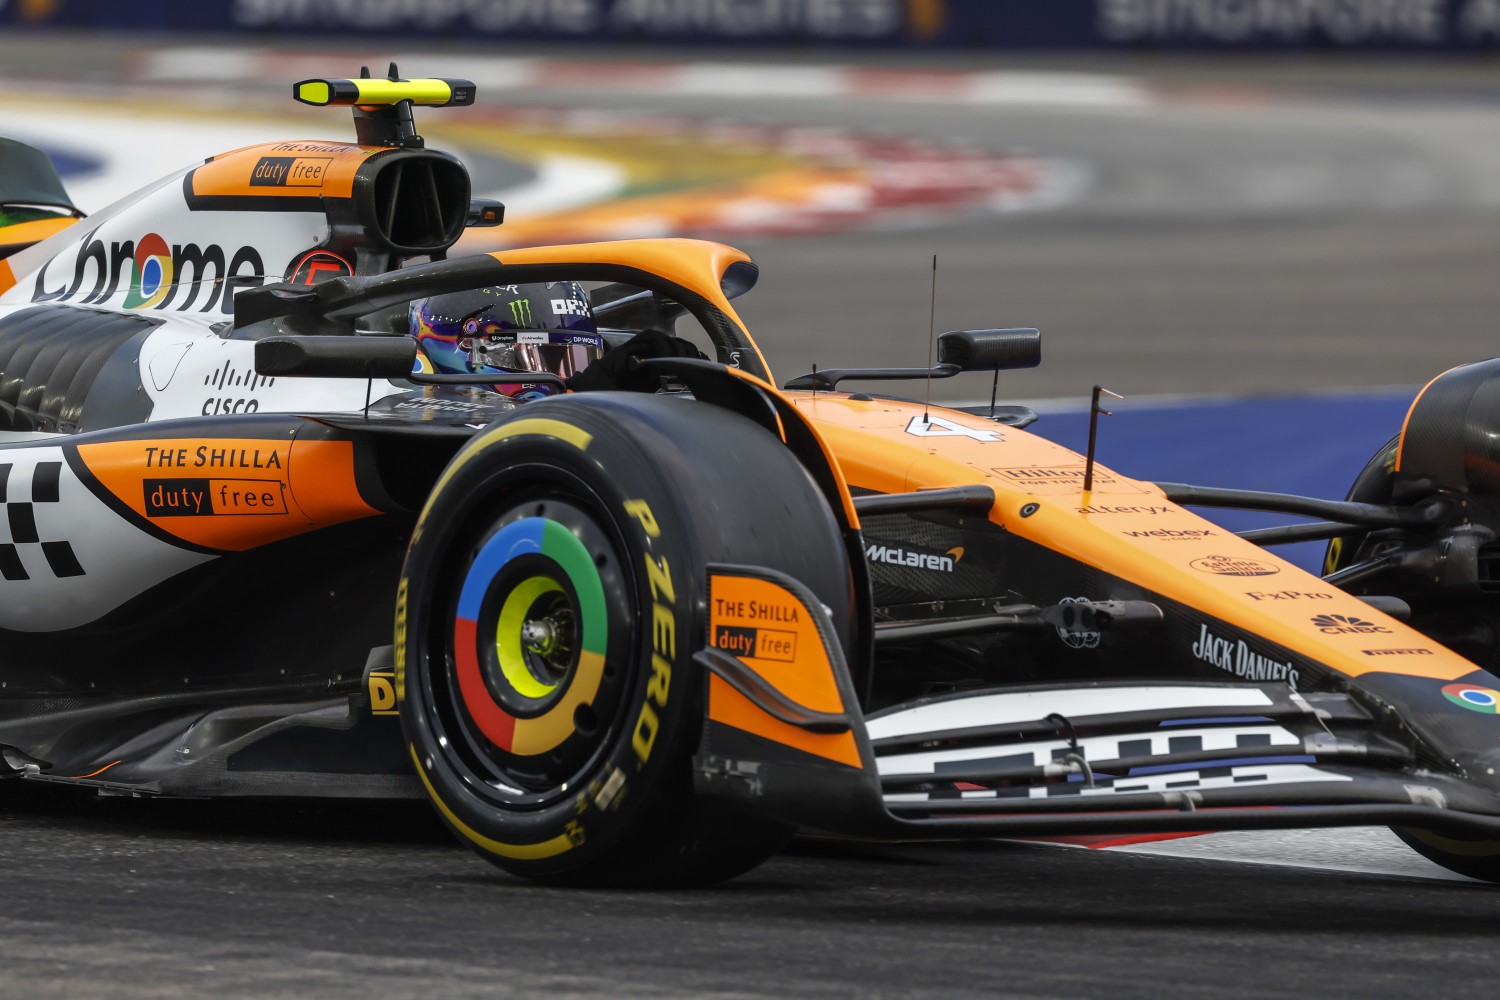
(428, 93)
(382, 108)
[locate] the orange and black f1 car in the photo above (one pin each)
(250, 547)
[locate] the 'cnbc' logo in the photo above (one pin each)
(1474, 697)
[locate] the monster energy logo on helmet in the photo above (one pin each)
(520, 312)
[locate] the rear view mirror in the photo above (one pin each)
(336, 357)
(991, 350)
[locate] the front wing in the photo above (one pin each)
(784, 735)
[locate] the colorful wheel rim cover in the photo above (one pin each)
(1474, 697)
(544, 732)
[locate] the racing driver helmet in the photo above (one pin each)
(509, 330)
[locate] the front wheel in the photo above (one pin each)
(551, 603)
(1475, 858)
(1374, 484)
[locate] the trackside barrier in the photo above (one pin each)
(939, 24)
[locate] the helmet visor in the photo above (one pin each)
(563, 361)
(561, 354)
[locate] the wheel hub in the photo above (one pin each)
(530, 636)
(550, 639)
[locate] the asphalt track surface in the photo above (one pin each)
(114, 898)
(1343, 233)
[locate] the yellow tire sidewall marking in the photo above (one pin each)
(575, 436)
(519, 852)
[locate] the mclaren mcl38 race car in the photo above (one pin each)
(254, 544)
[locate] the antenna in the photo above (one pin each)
(931, 331)
(1094, 411)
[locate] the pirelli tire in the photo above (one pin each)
(1475, 858)
(1373, 484)
(551, 602)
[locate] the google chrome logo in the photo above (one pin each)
(153, 275)
(1474, 697)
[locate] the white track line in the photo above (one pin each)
(562, 182)
(1368, 850)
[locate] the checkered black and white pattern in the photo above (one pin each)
(1191, 779)
(67, 556)
(26, 555)
(1249, 736)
